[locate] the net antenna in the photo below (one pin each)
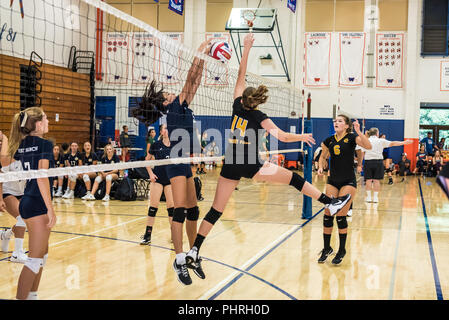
(249, 16)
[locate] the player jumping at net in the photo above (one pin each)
(9, 200)
(342, 179)
(180, 125)
(159, 149)
(27, 145)
(242, 155)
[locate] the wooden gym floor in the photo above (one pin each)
(260, 249)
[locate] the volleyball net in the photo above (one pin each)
(87, 64)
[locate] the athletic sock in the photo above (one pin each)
(324, 199)
(342, 237)
(148, 230)
(18, 244)
(327, 240)
(198, 241)
(181, 258)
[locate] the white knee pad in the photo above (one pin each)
(98, 179)
(109, 177)
(20, 222)
(72, 177)
(34, 264)
(86, 178)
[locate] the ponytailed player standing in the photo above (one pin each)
(27, 145)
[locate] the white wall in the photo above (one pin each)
(421, 78)
(49, 28)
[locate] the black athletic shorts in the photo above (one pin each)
(340, 184)
(30, 207)
(238, 171)
(373, 169)
(5, 195)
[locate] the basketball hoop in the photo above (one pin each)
(249, 16)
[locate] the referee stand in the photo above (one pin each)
(308, 159)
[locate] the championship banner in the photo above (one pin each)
(444, 75)
(317, 52)
(176, 6)
(291, 4)
(168, 59)
(352, 55)
(389, 60)
(117, 45)
(143, 51)
(216, 74)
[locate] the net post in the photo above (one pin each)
(308, 158)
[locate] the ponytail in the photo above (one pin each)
(253, 97)
(23, 124)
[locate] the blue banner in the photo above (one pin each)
(291, 4)
(176, 6)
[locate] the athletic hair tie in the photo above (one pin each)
(23, 118)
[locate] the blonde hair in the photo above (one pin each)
(252, 97)
(105, 154)
(23, 124)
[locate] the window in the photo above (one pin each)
(435, 28)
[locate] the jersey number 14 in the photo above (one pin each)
(239, 123)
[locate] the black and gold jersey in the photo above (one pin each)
(342, 153)
(243, 140)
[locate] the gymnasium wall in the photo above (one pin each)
(49, 29)
(65, 99)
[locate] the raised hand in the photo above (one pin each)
(248, 40)
(308, 138)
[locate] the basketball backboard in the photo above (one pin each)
(264, 19)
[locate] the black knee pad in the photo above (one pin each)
(193, 214)
(297, 181)
(328, 221)
(152, 211)
(170, 211)
(212, 216)
(179, 215)
(342, 223)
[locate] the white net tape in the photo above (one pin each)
(67, 171)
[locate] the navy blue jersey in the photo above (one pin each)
(114, 159)
(59, 161)
(74, 159)
(159, 150)
(180, 116)
(31, 150)
(65, 156)
(88, 160)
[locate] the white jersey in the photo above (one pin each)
(378, 146)
(16, 188)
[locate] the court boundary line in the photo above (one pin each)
(259, 259)
(396, 250)
(436, 276)
(81, 235)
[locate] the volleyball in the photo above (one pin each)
(221, 50)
